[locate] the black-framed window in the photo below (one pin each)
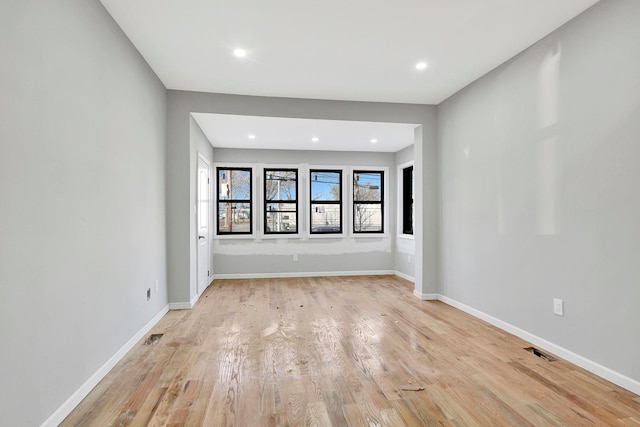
(234, 201)
(280, 201)
(368, 201)
(407, 200)
(326, 201)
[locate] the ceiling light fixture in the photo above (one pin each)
(240, 53)
(252, 136)
(374, 141)
(421, 66)
(315, 139)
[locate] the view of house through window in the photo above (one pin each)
(281, 201)
(407, 200)
(326, 201)
(368, 199)
(234, 201)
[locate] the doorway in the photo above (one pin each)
(204, 223)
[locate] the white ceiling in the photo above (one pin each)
(231, 131)
(357, 50)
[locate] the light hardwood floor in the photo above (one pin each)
(335, 351)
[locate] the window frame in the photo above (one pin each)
(266, 202)
(340, 203)
(250, 201)
(406, 205)
(384, 172)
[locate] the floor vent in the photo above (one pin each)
(540, 354)
(153, 338)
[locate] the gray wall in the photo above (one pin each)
(540, 192)
(82, 224)
(181, 188)
(316, 255)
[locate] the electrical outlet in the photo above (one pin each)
(558, 307)
(409, 259)
(295, 257)
(148, 294)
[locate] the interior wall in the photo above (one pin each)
(314, 255)
(82, 223)
(539, 188)
(181, 242)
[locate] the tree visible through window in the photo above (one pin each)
(326, 201)
(281, 201)
(234, 201)
(368, 202)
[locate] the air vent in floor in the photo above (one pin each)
(153, 338)
(540, 354)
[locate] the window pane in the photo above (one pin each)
(326, 218)
(282, 207)
(234, 217)
(367, 186)
(367, 218)
(282, 222)
(281, 184)
(234, 184)
(325, 185)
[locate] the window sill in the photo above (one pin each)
(369, 235)
(280, 236)
(234, 236)
(406, 236)
(327, 236)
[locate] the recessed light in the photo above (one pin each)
(240, 53)
(374, 141)
(252, 136)
(421, 65)
(315, 139)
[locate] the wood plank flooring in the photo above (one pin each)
(335, 351)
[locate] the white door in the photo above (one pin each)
(204, 219)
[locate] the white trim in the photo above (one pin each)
(591, 366)
(196, 297)
(405, 276)
(304, 274)
(406, 236)
(69, 405)
(425, 297)
(180, 306)
(210, 231)
(189, 305)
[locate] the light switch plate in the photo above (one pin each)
(558, 307)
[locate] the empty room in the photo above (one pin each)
(319, 213)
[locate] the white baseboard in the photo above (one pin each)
(591, 366)
(69, 405)
(184, 305)
(425, 297)
(405, 276)
(180, 306)
(304, 274)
